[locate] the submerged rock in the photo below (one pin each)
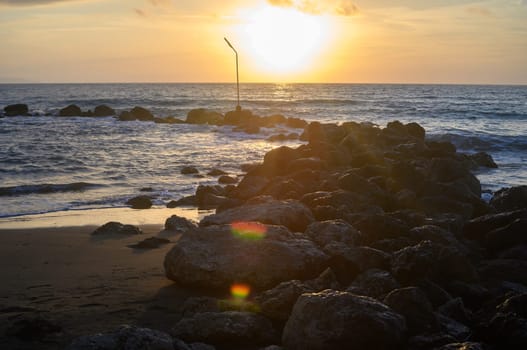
(70, 111)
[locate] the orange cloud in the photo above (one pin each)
(317, 7)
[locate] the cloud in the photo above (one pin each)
(317, 7)
(30, 2)
(140, 13)
(479, 11)
(159, 2)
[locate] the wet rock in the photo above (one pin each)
(413, 304)
(227, 180)
(513, 234)
(479, 227)
(150, 243)
(296, 123)
(277, 160)
(142, 114)
(216, 172)
(204, 116)
(453, 328)
(483, 159)
(289, 213)
(70, 111)
(113, 227)
(16, 110)
(341, 320)
(238, 117)
(218, 256)
(189, 201)
(179, 224)
(325, 232)
(231, 328)
(140, 202)
(103, 111)
(509, 199)
(125, 337)
(379, 226)
(250, 186)
(374, 283)
(189, 170)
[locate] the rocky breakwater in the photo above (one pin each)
(407, 254)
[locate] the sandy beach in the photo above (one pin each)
(82, 283)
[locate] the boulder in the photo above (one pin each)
(276, 161)
(511, 235)
(374, 283)
(227, 180)
(189, 201)
(16, 109)
(216, 172)
(204, 116)
(412, 303)
(32, 328)
(289, 213)
(179, 224)
(509, 199)
(142, 114)
(189, 170)
(70, 111)
(226, 329)
(150, 243)
(483, 159)
(238, 117)
(140, 202)
(113, 227)
(463, 346)
(103, 111)
(478, 228)
(250, 186)
(125, 337)
(259, 255)
(325, 232)
(340, 320)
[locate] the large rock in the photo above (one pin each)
(340, 320)
(113, 227)
(16, 109)
(259, 255)
(103, 111)
(125, 337)
(374, 283)
(70, 111)
(290, 213)
(325, 232)
(179, 224)
(140, 202)
(230, 328)
(204, 116)
(508, 199)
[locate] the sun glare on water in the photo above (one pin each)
(282, 40)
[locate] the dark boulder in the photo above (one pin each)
(216, 172)
(227, 180)
(16, 109)
(226, 329)
(251, 186)
(340, 320)
(103, 111)
(150, 243)
(412, 303)
(478, 228)
(189, 201)
(289, 213)
(513, 234)
(463, 346)
(277, 160)
(70, 111)
(179, 224)
(380, 226)
(482, 159)
(140, 202)
(238, 117)
(117, 228)
(509, 199)
(259, 255)
(325, 232)
(189, 170)
(32, 328)
(142, 114)
(374, 283)
(204, 116)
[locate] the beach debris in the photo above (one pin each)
(179, 224)
(140, 202)
(150, 243)
(114, 227)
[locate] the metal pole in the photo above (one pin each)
(238, 107)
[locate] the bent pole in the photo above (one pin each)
(238, 107)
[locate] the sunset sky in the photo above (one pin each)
(360, 41)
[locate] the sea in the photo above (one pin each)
(51, 164)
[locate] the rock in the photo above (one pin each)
(479, 227)
(103, 111)
(70, 111)
(449, 170)
(455, 309)
(295, 123)
(340, 320)
(259, 255)
(150, 243)
(429, 341)
(231, 328)
(379, 226)
(453, 328)
(483, 159)
(189, 201)
(513, 234)
(140, 202)
(117, 228)
(125, 337)
(325, 232)
(509, 199)
(494, 271)
(277, 160)
(463, 346)
(250, 186)
(238, 117)
(227, 180)
(179, 224)
(216, 172)
(16, 109)
(189, 170)
(29, 329)
(289, 213)
(204, 116)
(374, 283)
(413, 304)
(142, 114)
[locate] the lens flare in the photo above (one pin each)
(240, 291)
(249, 230)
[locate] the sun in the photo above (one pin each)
(283, 40)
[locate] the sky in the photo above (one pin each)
(337, 41)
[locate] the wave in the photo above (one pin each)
(46, 188)
(484, 142)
